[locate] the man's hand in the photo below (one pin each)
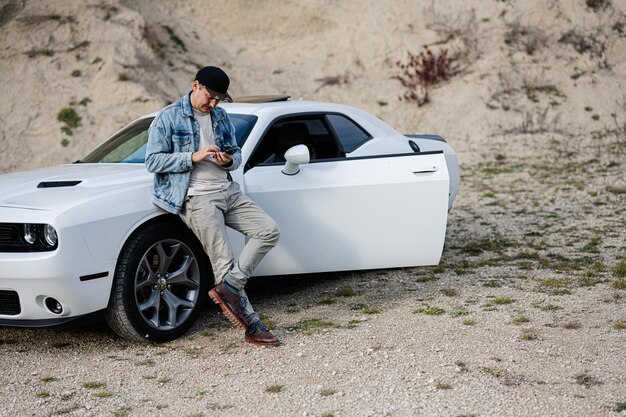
(203, 153)
(221, 158)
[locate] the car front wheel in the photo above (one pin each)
(159, 285)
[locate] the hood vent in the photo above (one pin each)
(54, 184)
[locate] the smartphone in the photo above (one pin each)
(230, 151)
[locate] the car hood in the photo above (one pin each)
(67, 185)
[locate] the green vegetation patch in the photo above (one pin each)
(449, 292)
(310, 325)
(274, 388)
(620, 270)
(178, 42)
(102, 394)
(562, 263)
(426, 278)
(490, 244)
(370, 310)
(521, 319)
(503, 300)
(490, 371)
(93, 384)
(120, 412)
(430, 310)
(346, 291)
(69, 118)
(326, 301)
(556, 286)
(592, 245)
(619, 284)
(458, 313)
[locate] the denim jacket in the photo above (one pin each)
(173, 136)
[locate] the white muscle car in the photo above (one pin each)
(348, 192)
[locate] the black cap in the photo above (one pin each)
(216, 81)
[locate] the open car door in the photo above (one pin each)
(354, 213)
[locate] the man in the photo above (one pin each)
(191, 148)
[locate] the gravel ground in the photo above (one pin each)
(524, 316)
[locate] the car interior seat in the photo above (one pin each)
(289, 135)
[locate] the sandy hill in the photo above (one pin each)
(538, 66)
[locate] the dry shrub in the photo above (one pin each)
(529, 38)
(459, 32)
(38, 19)
(598, 43)
(583, 43)
(533, 121)
(598, 4)
(420, 72)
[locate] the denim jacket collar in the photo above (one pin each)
(185, 105)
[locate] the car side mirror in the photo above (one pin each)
(295, 156)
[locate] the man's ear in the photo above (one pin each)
(195, 86)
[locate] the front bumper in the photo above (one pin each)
(41, 323)
(69, 275)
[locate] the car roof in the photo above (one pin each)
(275, 109)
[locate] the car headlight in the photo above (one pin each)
(34, 237)
(30, 234)
(50, 235)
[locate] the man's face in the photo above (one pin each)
(202, 99)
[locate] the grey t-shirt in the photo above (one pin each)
(206, 176)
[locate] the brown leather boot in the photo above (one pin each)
(259, 335)
(229, 303)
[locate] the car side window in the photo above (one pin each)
(309, 130)
(129, 144)
(349, 133)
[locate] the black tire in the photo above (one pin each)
(160, 284)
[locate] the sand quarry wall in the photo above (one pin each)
(515, 68)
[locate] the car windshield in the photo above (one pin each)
(129, 144)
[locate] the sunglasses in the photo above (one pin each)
(209, 96)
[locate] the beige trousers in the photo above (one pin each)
(208, 215)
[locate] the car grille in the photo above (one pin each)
(9, 303)
(10, 238)
(9, 233)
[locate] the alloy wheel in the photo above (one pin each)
(167, 284)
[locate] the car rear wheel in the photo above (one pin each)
(160, 284)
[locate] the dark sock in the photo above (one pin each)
(230, 288)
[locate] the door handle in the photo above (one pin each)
(425, 170)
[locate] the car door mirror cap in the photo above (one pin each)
(295, 156)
